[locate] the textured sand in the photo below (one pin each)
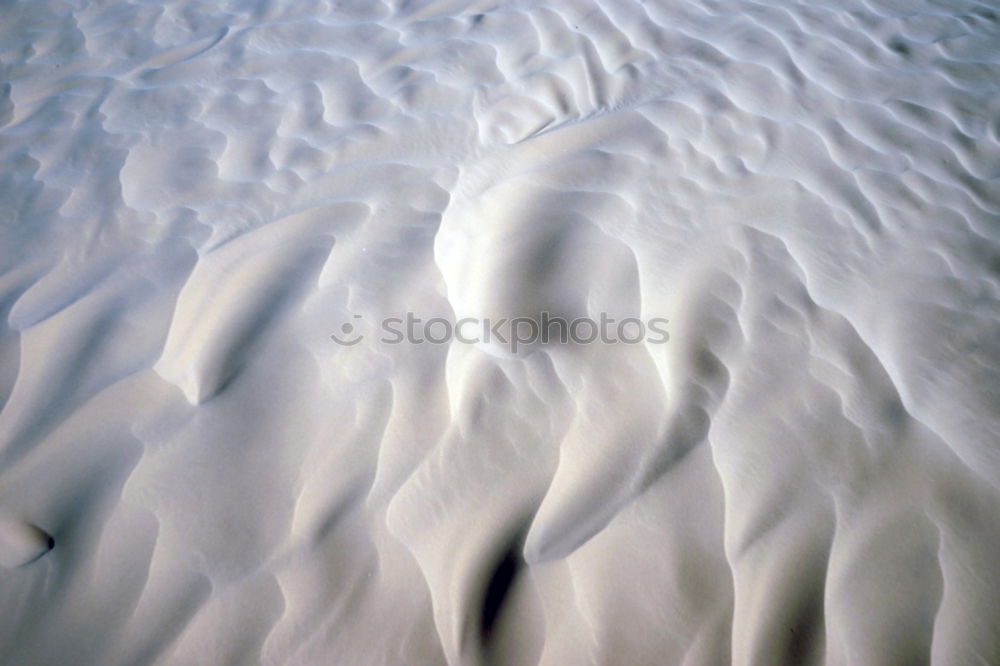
(195, 195)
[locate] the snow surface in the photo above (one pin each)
(195, 195)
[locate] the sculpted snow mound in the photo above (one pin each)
(212, 210)
(21, 543)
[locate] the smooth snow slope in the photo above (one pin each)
(195, 195)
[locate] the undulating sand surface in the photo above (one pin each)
(195, 196)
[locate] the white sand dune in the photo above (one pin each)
(196, 195)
